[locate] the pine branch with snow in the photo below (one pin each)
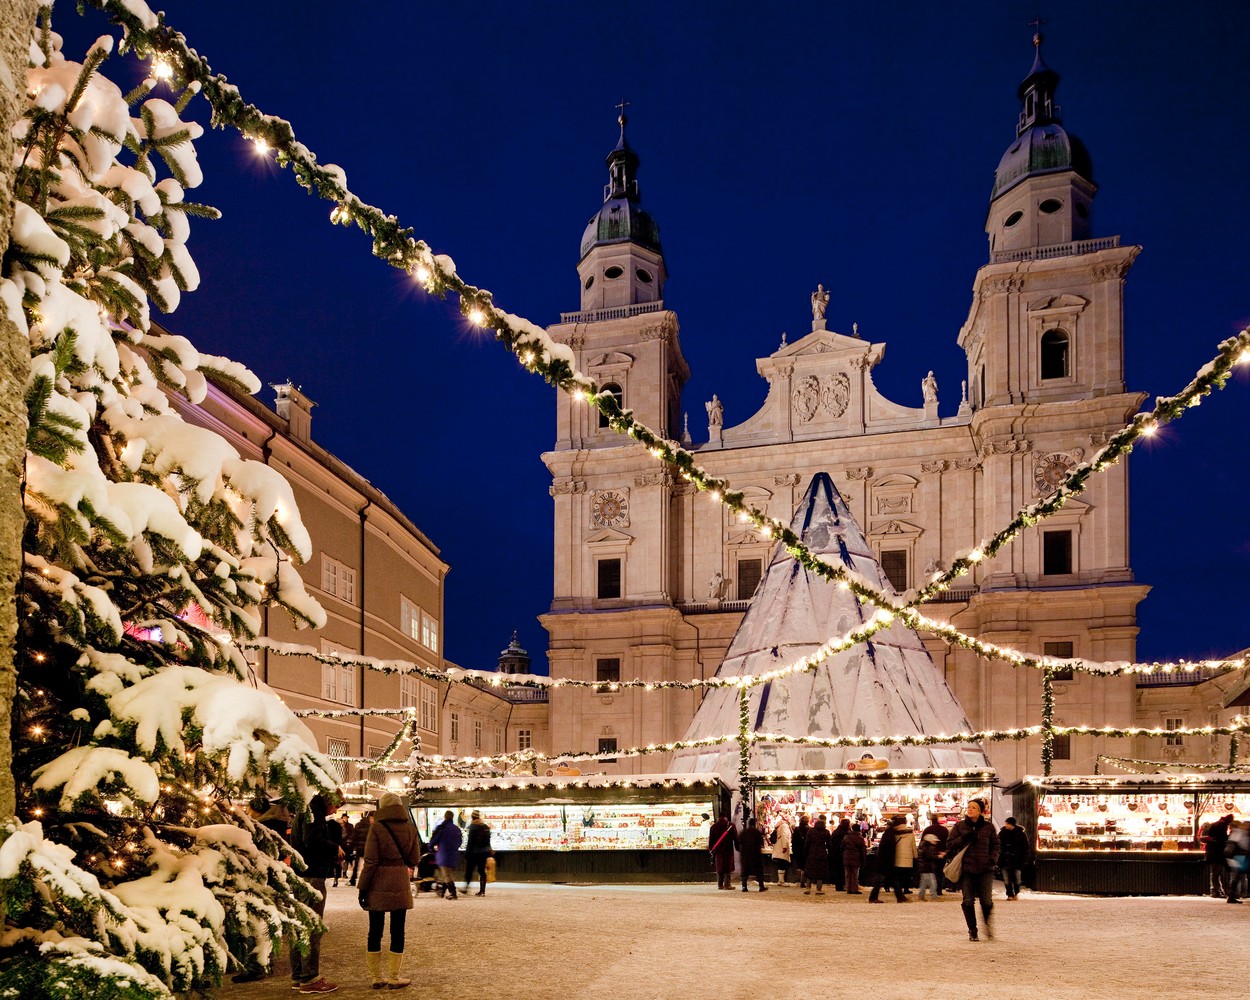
(151, 545)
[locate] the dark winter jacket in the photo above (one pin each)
(817, 867)
(798, 846)
(478, 839)
(751, 844)
(1214, 839)
(391, 849)
(312, 836)
(885, 849)
(854, 848)
(981, 839)
(721, 841)
(1013, 847)
(835, 843)
(446, 840)
(360, 834)
(932, 847)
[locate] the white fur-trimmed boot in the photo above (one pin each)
(394, 981)
(373, 961)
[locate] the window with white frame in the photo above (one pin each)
(477, 734)
(524, 739)
(429, 632)
(337, 748)
(1174, 741)
(409, 619)
(338, 580)
(455, 727)
(409, 690)
(429, 708)
(338, 680)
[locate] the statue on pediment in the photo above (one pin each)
(715, 411)
(928, 386)
(820, 302)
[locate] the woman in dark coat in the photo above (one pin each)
(798, 848)
(751, 846)
(817, 868)
(835, 853)
(392, 849)
(722, 838)
(887, 877)
(1013, 852)
(976, 879)
(854, 854)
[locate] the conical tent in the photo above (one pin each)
(888, 686)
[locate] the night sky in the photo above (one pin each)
(782, 145)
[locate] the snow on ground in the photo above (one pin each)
(691, 942)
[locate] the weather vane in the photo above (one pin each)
(1036, 24)
(621, 119)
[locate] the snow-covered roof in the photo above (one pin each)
(542, 782)
(888, 686)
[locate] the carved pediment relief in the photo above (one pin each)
(895, 480)
(613, 359)
(895, 529)
(1065, 301)
(609, 536)
(820, 395)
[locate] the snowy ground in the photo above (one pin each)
(695, 943)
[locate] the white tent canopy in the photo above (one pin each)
(888, 686)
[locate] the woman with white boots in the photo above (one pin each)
(391, 851)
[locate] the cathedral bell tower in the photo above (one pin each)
(621, 261)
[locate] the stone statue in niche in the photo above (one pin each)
(820, 302)
(928, 386)
(716, 586)
(715, 411)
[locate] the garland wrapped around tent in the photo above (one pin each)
(148, 35)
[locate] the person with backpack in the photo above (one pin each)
(782, 838)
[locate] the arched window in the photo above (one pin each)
(1055, 357)
(616, 391)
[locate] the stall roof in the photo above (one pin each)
(560, 788)
(884, 776)
(1161, 782)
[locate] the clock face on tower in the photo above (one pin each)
(1051, 470)
(610, 508)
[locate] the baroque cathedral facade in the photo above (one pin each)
(652, 579)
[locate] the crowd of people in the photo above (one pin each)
(898, 858)
(380, 855)
(1226, 849)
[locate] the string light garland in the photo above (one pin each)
(1128, 763)
(150, 37)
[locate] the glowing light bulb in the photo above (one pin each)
(422, 274)
(715, 495)
(262, 147)
(161, 69)
(476, 316)
(976, 555)
(1149, 429)
(579, 395)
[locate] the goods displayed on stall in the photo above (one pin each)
(591, 826)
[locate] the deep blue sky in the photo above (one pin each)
(781, 145)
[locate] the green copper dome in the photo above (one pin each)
(622, 218)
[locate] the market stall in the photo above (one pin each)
(596, 827)
(1133, 834)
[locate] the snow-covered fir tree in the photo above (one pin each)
(150, 546)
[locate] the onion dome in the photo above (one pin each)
(622, 218)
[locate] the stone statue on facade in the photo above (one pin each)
(820, 302)
(716, 586)
(928, 387)
(715, 411)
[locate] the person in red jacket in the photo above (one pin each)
(976, 880)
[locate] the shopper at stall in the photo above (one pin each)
(896, 858)
(782, 839)
(836, 868)
(316, 839)
(854, 854)
(391, 850)
(1237, 854)
(798, 849)
(1013, 852)
(976, 879)
(476, 850)
(445, 840)
(751, 848)
(929, 861)
(722, 838)
(359, 836)
(1214, 840)
(816, 869)
(936, 830)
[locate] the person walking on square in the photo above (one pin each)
(445, 841)
(798, 849)
(896, 855)
(937, 830)
(1237, 855)
(854, 854)
(1213, 841)
(816, 870)
(722, 838)
(312, 836)
(976, 880)
(392, 849)
(929, 864)
(359, 836)
(751, 847)
(1013, 852)
(837, 870)
(782, 839)
(476, 850)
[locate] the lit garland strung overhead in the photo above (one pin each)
(1132, 764)
(172, 59)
